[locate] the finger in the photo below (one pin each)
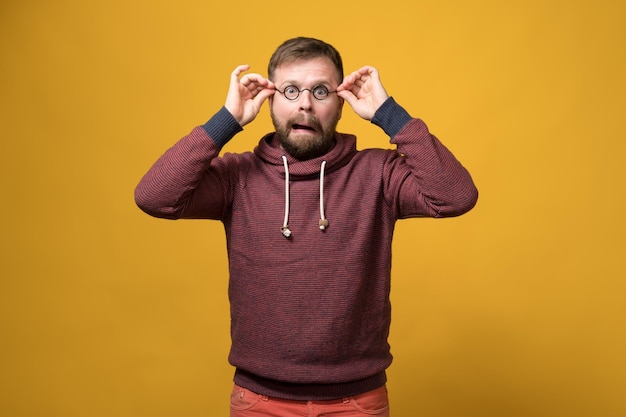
(263, 95)
(373, 74)
(241, 68)
(252, 81)
(365, 74)
(355, 78)
(366, 70)
(348, 96)
(348, 82)
(234, 78)
(237, 71)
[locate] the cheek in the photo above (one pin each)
(280, 111)
(331, 114)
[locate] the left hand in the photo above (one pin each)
(364, 91)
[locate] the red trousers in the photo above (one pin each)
(245, 403)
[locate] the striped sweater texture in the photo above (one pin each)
(310, 313)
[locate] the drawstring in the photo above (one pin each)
(285, 229)
(323, 221)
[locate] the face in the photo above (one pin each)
(306, 126)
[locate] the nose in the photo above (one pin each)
(305, 99)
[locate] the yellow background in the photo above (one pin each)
(515, 309)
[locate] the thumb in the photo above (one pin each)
(265, 94)
(348, 96)
(262, 96)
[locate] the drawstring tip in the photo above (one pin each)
(323, 224)
(285, 231)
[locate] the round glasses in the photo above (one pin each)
(291, 92)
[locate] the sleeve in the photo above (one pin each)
(426, 180)
(189, 180)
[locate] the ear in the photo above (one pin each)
(340, 109)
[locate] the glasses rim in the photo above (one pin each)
(311, 90)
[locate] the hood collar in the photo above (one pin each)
(340, 154)
(293, 169)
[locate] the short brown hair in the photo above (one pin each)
(302, 48)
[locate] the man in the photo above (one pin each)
(309, 223)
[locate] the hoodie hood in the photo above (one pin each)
(294, 169)
(271, 153)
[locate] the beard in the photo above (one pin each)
(314, 140)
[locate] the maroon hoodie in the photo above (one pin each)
(310, 310)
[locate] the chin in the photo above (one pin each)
(305, 147)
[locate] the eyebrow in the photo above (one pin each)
(297, 84)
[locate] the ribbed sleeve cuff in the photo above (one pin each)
(391, 117)
(222, 127)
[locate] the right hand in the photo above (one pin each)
(246, 95)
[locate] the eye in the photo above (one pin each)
(320, 92)
(291, 92)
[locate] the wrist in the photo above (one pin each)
(391, 117)
(222, 127)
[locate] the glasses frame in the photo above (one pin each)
(311, 90)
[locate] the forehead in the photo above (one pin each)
(316, 70)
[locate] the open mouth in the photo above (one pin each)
(299, 127)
